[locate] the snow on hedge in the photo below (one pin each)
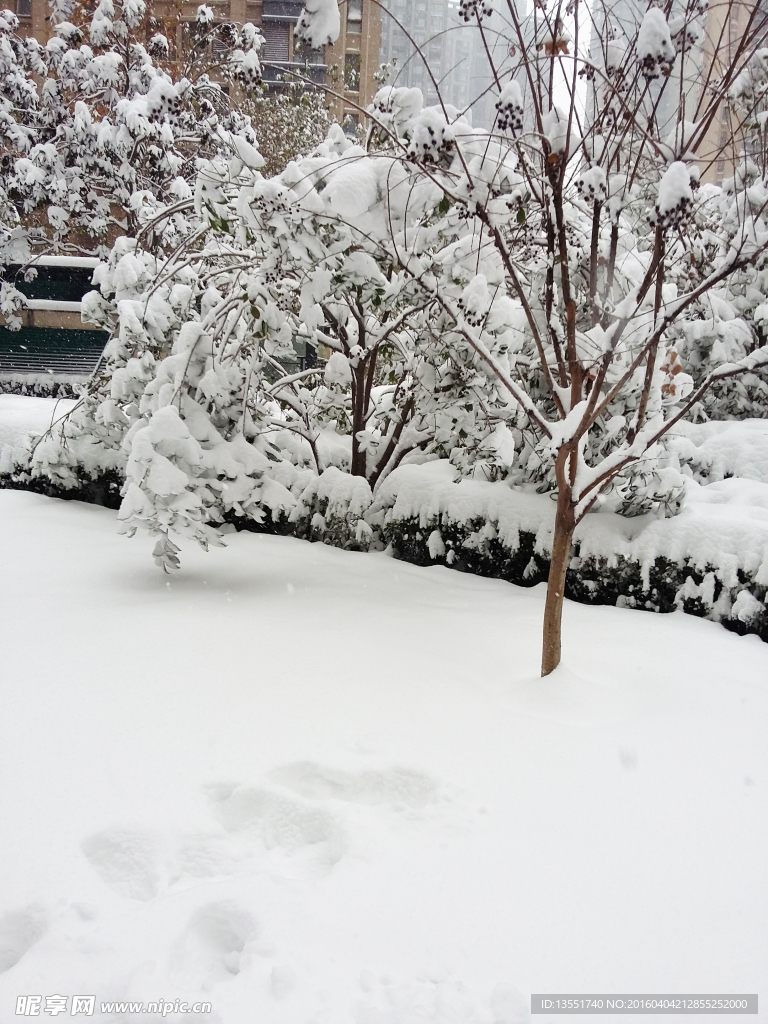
(722, 449)
(721, 527)
(20, 416)
(715, 550)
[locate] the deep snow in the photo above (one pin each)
(320, 786)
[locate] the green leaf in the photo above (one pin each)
(521, 215)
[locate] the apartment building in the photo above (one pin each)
(353, 60)
(445, 42)
(346, 68)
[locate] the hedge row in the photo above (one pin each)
(470, 546)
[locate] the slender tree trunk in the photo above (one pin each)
(359, 457)
(561, 553)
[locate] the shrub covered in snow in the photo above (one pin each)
(711, 560)
(109, 138)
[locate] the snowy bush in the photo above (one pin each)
(332, 509)
(107, 139)
(711, 560)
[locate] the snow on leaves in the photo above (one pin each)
(319, 23)
(654, 48)
(675, 199)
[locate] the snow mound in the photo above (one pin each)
(720, 449)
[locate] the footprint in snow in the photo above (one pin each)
(211, 946)
(400, 788)
(203, 856)
(128, 861)
(298, 830)
(19, 931)
(444, 1001)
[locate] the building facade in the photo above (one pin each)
(346, 68)
(353, 60)
(433, 49)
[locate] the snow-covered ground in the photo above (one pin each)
(21, 415)
(310, 785)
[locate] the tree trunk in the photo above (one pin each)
(359, 457)
(558, 567)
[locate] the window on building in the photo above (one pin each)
(276, 40)
(23, 8)
(352, 72)
(354, 15)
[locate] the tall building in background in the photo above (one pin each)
(686, 92)
(453, 55)
(445, 43)
(353, 60)
(668, 98)
(724, 144)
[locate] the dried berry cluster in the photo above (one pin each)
(269, 204)
(510, 117)
(474, 315)
(227, 33)
(591, 185)
(274, 274)
(654, 65)
(158, 46)
(470, 10)
(248, 76)
(674, 217)
(685, 37)
(163, 104)
(427, 146)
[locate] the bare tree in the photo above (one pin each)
(608, 242)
